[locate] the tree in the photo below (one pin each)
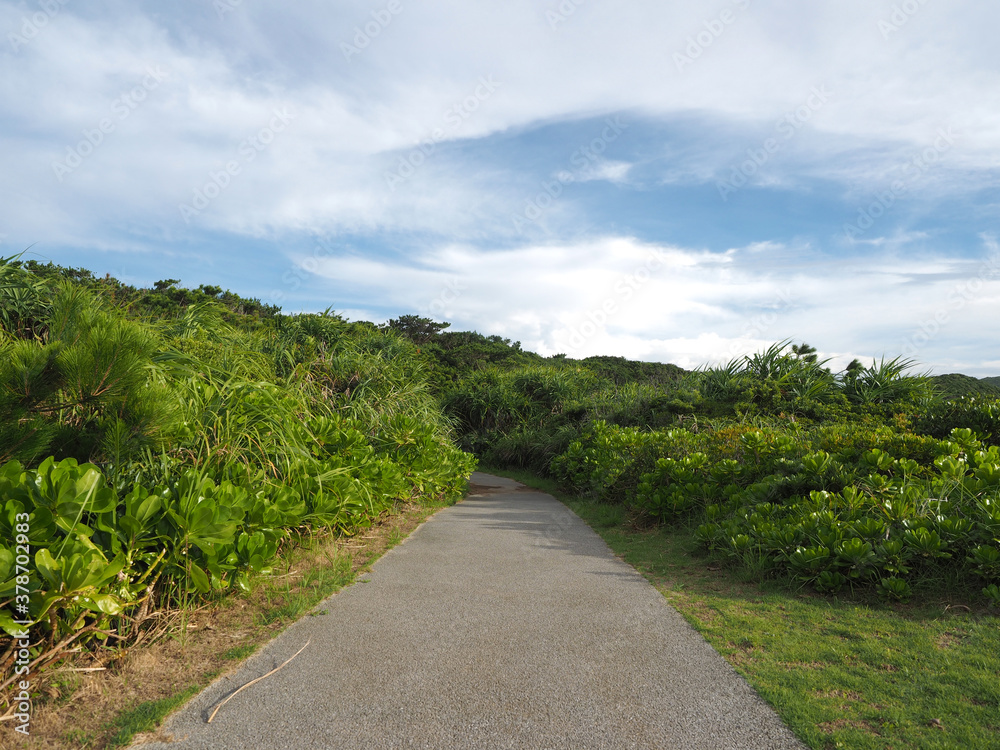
(853, 370)
(416, 329)
(804, 352)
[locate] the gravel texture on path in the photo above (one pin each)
(502, 622)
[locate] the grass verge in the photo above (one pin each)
(135, 690)
(841, 672)
(145, 717)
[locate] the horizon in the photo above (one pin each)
(681, 185)
(447, 328)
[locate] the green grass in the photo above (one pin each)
(394, 538)
(145, 717)
(240, 652)
(79, 738)
(287, 604)
(841, 672)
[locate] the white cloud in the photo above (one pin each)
(612, 171)
(617, 295)
(443, 76)
(326, 173)
(897, 239)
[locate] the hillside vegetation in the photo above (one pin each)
(160, 446)
(955, 386)
(869, 479)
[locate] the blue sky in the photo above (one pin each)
(678, 184)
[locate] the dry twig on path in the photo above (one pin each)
(252, 682)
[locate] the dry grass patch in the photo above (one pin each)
(950, 639)
(829, 727)
(843, 694)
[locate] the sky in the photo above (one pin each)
(673, 182)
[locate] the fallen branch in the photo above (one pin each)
(252, 682)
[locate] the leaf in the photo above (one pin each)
(9, 627)
(106, 603)
(199, 578)
(47, 566)
(6, 563)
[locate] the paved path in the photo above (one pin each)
(502, 622)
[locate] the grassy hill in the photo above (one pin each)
(956, 386)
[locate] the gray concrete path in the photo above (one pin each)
(502, 622)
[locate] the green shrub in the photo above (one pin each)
(144, 462)
(981, 414)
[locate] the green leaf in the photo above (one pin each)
(6, 563)
(8, 626)
(49, 569)
(199, 578)
(106, 603)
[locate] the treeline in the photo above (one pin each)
(872, 478)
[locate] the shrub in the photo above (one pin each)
(981, 414)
